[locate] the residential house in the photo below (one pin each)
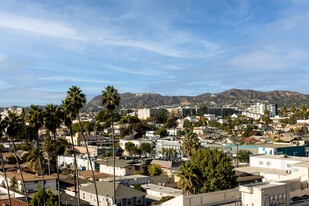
(30, 180)
(122, 167)
(224, 197)
(156, 192)
(125, 196)
(168, 144)
(81, 160)
(264, 194)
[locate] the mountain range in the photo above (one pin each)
(231, 98)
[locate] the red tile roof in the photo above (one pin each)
(14, 202)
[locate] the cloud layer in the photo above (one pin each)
(169, 47)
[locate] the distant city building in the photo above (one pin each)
(17, 110)
(256, 110)
(195, 111)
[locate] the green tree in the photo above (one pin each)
(103, 116)
(248, 131)
(187, 124)
(162, 132)
(190, 144)
(35, 119)
(36, 159)
(170, 123)
(14, 125)
(154, 170)
(188, 178)
(111, 100)
(214, 169)
(52, 121)
(14, 184)
(3, 125)
(46, 198)
(78, 100)
(162, 200)
(265, 117)
(48, 146)
(130, 147)
(145, 148)
(243, 156)
(67, 116)
(284, 111)
(161, 116)
(139, 187)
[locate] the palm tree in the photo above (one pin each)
(111, 100)
(14, 125)
(36, 120)
(78, 100)
(52, 121)
(190, 144)
(188, 179)
(67, 114)
(35, 158)
(2, 128)
(48, 148)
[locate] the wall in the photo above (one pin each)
(118, 171)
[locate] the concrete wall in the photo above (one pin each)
(118, 171)
(280, 163)
(212, 198)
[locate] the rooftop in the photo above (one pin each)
(106, 189)
(118, 162)
(163, 189)
(29, 177)
(14, 202)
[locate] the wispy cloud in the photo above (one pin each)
(40, 26)
(71, 79)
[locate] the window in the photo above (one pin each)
(268, 163)
(90, 196)
(118, 202)
(129, 201)
(261, 163)
(139, 200)
(289, 165)
(296, 170)
(83, 195)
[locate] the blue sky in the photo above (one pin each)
(175, 47)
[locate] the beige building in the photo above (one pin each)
(126, 196)
(264, 194)
(77, 138)
(30, 180)
(144, 114)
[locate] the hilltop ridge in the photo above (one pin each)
(232, 97)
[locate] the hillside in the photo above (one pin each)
(233, 97)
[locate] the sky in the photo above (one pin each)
(175, 47)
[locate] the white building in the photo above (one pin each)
(265, 194)
(256, 110)
(136, 142)
(168, 144)
(30, 180)
(144, 114)
(125, 195)
(281, 168)
(67, 160)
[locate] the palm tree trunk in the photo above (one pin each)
(41, 169)
(114, 161)
(21, 173)
(48, 162)
(6, 179)
(89, 159)
(76, 180)
(58, 179)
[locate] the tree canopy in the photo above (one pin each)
(208, 170)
